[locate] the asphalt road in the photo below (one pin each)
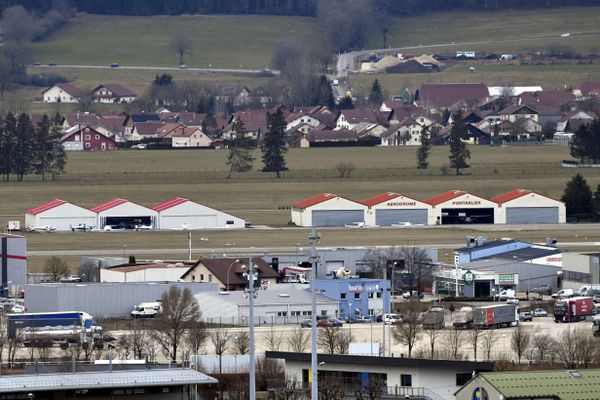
(140, 68)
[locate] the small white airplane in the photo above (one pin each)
(185, 227)
(112, 228)
(143, 227)
(81, 228)
(355, 225)
(43, 228)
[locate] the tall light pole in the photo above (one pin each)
(313, 239)
(228, 270)
(251, 275)
(189, 232)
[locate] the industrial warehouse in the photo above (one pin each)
(455, 207)
(120, 214)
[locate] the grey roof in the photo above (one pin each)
(102, 380)
(528, 254)
(266, 297)
(490, 263)
(487, 245)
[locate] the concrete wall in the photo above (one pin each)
(586, 263)
(100, 299)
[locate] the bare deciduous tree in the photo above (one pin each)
(241, 342)
(298, 339)
(576, 349)
(520, 341)
(180, 309)
(371, 391)
(55, 267)
(454, 340)
(273, 340)
(196, 336)
(408, 331)
(220, 340)
(328, 338)
(181, 43)
(343, 342)
(473, 337)
(433, 335)
(290, 390)
(345, 169)
(413, 260)
(488, 341)
(331, 389)
(542, 345)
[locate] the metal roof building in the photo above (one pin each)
(124, 214)
(388, 209)
(13, 262)
(181, 213)
(61, 214)
(522, 206)
(460, 207)
(328, 209)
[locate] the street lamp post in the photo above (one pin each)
(251, 275)
(228, 270)
(314, 366)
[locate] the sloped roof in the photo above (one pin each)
(219, 267)
(340, 135)
(380, 198)
(317, 199)
(444, 197)
(45, 207)
(144, 117)
(446, 94)
(547, 98)
(68, 88)
(359, 115)
(170, 204)
(590, 88)
(108, 205)
(82, 118)
(148, 128)
(513, 108)
(513, 194)
(117, 90)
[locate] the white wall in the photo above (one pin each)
(192, 214)
(56, 94)
(144, 275)
(336, 203)
(63, 217)
(465, 201)
(397, 203)
(531, 200)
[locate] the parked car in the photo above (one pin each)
(512, 300)
(358, 320)
(306, 323)
(391, 318)
(114, 65)
(52, 64)
(540, 312)
(526, 316)
(70, 279)
(325, 323)
(596, 298)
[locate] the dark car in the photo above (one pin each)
(114, 65)
(526, 316)
(307, 323)
(52, 63)
(325, 323)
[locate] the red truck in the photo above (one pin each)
(573, 309)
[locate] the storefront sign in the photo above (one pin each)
(468, 277)
(506, 279)
(401, 204)
(466, 203)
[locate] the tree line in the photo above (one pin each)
(27, 148)
(281, 7)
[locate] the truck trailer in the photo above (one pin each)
(573, 309)
(45, 329)
(496, 316)
(433, 318)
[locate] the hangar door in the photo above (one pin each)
(336, 217)
(532, 215)
(191, 221)
(389, 217)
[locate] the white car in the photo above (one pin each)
(540, 312)
(512, 300)
(566, 34)
(391, 319)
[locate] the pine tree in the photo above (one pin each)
(578, 197)
(42, 152)
(376, 95)
(273, 145)
(596, 208)
(346, 103)
(239, 158)
(458, 149)
(424, 149)
(325, 93)
(23, 146)
(7, 143)
(59, 155)
(586, 143)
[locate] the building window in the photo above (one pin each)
(406, 380)
(463, 378)
(306, 312)
(371, 311)
(88, 137)
(87, 144)
(295, 313)
(210, 277)
(201, 277)
(324, 313)
(357, 295)
(97, 137)
(193, 278)
(379, 295)
(282, 313)
(370, 295)
(342, 296)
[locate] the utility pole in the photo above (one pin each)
(383, 306)
(251, 275)
(313, 239)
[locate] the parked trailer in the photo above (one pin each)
(463, 318)
(596, 325)
(496, 316)
(573, 309)
(433, 318)
(53, 327)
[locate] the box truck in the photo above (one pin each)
(573, 309)
(496, 316)
(463, 318)
(433, 318)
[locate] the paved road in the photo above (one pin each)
(141, 68)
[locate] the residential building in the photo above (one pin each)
(113, 93)
(62, 93)
(348, 119)
(229, 272)
(83, 137)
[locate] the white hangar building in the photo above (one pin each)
(327, 209)
(181, 213)
(459, 207)
(123, 214)
(60, 214)
(522, 206)
(390, 208)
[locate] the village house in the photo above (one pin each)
(348, 119)
(113, 93)
(62, 93)
(229, 272)
(87, 138)
(182, 136)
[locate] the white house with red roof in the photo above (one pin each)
(328, 209)
(61, 214)
(62, 93)
(395, 209)
(523, 206)
(182, 213)
(119, 214)
(460, 207)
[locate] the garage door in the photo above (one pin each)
(389, 217)
(331, 266)
(191, 221)
(532, 215)
(337, 217)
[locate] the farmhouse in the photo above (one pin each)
(459, 207)
(83, 137)
(123, 214)
(181, 213)
(62, 93)
(113, 93)
(391, 208)
(61, 214)
(348, 119)
(327, 209)
(522, 206)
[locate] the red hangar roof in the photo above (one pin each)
(382, 198)
(169, 204)
(444, 197)
(311, 201)
(45, 207)
(513, 194)
(108, 205)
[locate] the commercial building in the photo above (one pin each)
(357, 296)
(397, 376)
(528, 385)
(579, 269)
(472, 282)
(13, 263)
(521, 206)
(61, 215)
(478, 248)
(389, 209)
(460, 207)
(114, 300)
(271, 306)
(145, 272)
(327, 209)
(123, 214)
(181, 213)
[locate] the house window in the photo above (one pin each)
(463, 378)
(370, 295)
(357, 295)
(405, 380)
(88, 137)
(210, 277)
(342, 296)
(379, 295)
(87, 129)
(201, 277)
(97, 137)
(193, 278)
(88, 145)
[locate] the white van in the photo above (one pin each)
(589, 290)
(146, 310)
(506, 294)
(390, 318)
(564, 293)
